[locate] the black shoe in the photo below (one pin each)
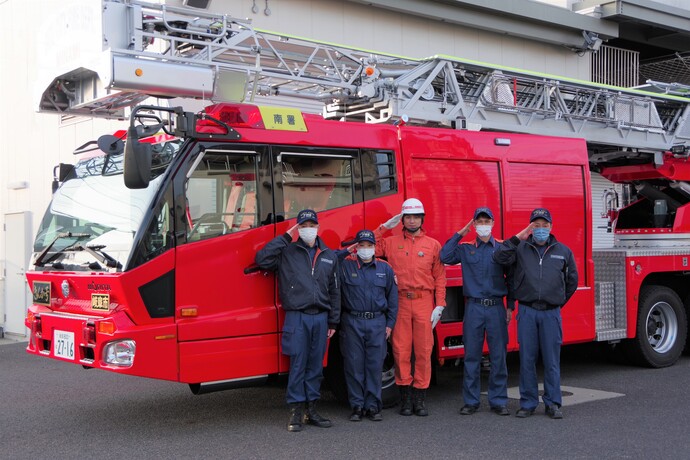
(356, 415)
(468, 410)
(524, 413)
(295, 423)
(313, 418)
(554, 412)
(418, 399)
(374, 415)
(500, 410)
(406, 400)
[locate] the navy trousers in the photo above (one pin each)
(363, 345)
(304, 340)
(539, 331)
(480, 322)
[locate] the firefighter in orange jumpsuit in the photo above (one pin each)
(415, 258)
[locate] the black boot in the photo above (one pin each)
(296, 414)
(313, 418)
(405, 400)
(419, 397)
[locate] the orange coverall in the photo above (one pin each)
(421, 285)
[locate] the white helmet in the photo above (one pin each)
(412, 206)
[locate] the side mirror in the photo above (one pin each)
(61, 173)
(137, 164)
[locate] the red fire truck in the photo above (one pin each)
(143, 262)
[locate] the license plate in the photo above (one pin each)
(63, 344)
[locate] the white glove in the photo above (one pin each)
(392, 222)
(436, 316)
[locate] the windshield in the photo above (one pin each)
(99, 210)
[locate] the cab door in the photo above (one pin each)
(327, 180)
(227, 319)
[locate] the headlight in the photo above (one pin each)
(120, 353)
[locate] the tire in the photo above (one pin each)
(661, 329)
(335, 376)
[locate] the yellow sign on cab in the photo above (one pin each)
(283, 118)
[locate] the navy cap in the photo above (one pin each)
(480, 211)
(305, 215)
(365, 235)
(540, 213)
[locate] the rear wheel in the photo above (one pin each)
(661, 328)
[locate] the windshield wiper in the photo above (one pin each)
(96, 250)
(39, 260)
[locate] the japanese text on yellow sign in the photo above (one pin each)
(283, 119)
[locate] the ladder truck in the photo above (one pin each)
(143, 262)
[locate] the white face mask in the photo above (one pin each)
(308, 234)
(483, 230)
(366, 253)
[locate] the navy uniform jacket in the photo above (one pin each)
(548, 280)
(481, 276)
(368, 287)
(303, 283)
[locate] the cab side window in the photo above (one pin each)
(221, 194)
(378, 170)
(317, 182)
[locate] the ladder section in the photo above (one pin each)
(153, 49)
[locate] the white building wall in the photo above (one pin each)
(32, 144)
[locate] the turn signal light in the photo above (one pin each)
(106, 327)
(188, 312)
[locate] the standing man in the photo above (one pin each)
(544, 280)
(415, 258)
(308, 289)
(484, 287)
(370, 306)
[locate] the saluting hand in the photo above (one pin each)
(526, 232)
(293, 231)
(393, 222)
(466, 229)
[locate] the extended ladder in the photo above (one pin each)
(154, 49)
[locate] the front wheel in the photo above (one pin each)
(661, 328)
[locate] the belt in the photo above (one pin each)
(364, 314)
(411, 294)
(539, 305)
(488, 302)
(312, 311)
